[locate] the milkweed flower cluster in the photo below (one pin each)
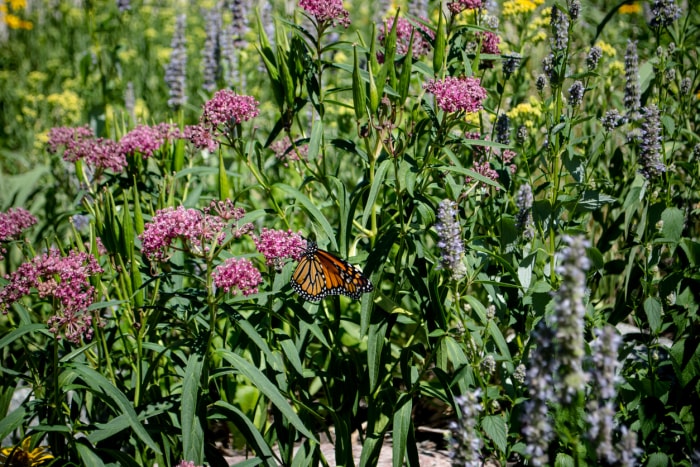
(450, 239)
(200, 137)
(489, 42)
(458, 6)
(457, 94)
(12, 224)
(237, 274)
(465, 444)
(225, 110)
(198, 230)
(146, 140)
(66, 280)
(327, 11)
(81, 144)
(404, 29)
(188, 225)
(277, 245)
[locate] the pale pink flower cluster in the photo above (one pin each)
(237, 273)
(404, 28)
(226, 110)
(189, 225)
(285, 153)
(66, 280)
(198, 230)
(489, 42)
(458, 6)
(201, 137)
(277, 245)
(483, 168)
(327, 11)
(12, 223)
(184, 463)
(457, 94)
(228, 212)
(81, 144)
(146, 140)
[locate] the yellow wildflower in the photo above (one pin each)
(630, 8)
(18, 4)
(607, 49)
(22, 456)
(472, 118)
(526, 112)
(538, 27)
(517, 7)
(66, 107)
(15, 22)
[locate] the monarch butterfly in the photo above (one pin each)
(320, 274)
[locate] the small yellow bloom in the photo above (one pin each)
(525, 112)
(607, 49)
(630, 8)
(472, 118)
(66, 106)
(15, 22)
(517, 7)
(22, 456)
(18, 4)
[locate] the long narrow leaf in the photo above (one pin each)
(192, 432)
(264, 385)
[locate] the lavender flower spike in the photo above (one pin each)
(450, 239)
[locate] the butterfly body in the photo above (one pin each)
(320, 274)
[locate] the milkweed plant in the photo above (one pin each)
(518, 180)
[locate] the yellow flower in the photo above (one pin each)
(630, 8)
(66, 107)
(15, 22)
(516, 7)
(526, 112)
(538, 27)
(21, 456)
(18, 4)
(472, 118)
(607, 49)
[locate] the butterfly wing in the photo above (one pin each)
(320, 274)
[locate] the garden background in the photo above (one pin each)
(518, 179)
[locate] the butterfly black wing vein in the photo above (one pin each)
(320, 274)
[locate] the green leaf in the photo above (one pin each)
(11, 421)
(264, 385)
(657, 459)
(652, 308)
(248, 429)
(525, 268)
(375, 346)
(564, 460)
(592, 200)
(224, 187)
(98, 383)
(674, 221)
(88, 456)
(377, 184)
(312, 210)
(402, 425)
(192, 432)
(495, 428)
(15, 334)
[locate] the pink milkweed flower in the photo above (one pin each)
(277, 245)
(81, 144)
(66, 280)
(327, 11)
(12, 224)
(458, 6)
(146, 140)
(237, 273)
(457, 94)
(226, 110)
